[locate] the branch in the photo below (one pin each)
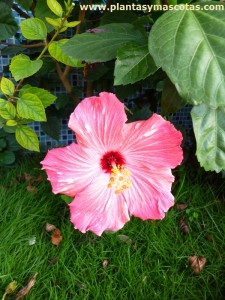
(65, 81)
(81, 19)
(23, 45)
(20, 11)
(89, 90)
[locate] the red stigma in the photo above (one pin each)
(110, 158)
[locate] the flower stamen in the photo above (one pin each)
(119, 178)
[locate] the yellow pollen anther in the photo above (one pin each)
(119, 179)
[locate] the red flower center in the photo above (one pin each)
(113, 162)
(110, 159)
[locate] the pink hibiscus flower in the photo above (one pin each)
(116, 169)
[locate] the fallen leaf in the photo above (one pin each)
(105, 263)
(31, 189)
(56, 237)
(28, 177)
(53, 260)
(197, 263)
(11, 287)
(125, 238)
(24, 291)
(38, 179)
(49, 227)
(184, 226)
(181, 206)
(31, 179)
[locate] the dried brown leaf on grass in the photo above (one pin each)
(49, 227)
(180, 206)
(125, 238)
(31, 181)
(56, 237)
(32, 189)
(197, 263)
(105, 263)
(24, 291)
(184, 228)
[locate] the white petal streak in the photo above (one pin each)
(150, 192)
(98, 208)
(71, 169)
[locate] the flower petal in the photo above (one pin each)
(98, 122)
(154, 142)
(149, 194)
(98, 208)
(71, 169)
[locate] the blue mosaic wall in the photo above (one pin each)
(181, 118)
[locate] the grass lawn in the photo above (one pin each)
(151, 264)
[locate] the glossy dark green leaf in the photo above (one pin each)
(142, 113)
(26, 4)
(209, 129)
(8, 25)
(56, 52)
(102, 43)
(133, 64)
(171, 101)
(52, 127)
(42, 11)
(189, 46)
(119, 16)
(7, 157)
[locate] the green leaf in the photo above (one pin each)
(9, 129)
(33, 29)
(11, 123)
(26, 4)
(67, 199)
(171, 101)
(12, 50)
(27, 138)
(133, 64)
(118, 16)
(56, 52)
(7, 86)
(8, 25)
(12, 143)
(42, 11)
(7, 157)
(189, 46)
(2, 143)
(209, 129)
(54, 22)
(72, 24)
(31, 107)
(102, 44)
(45, 96)
(55, 7)
(52, 127)
(2, 103)
(143, 113)
(22, 67)
(8, 112)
